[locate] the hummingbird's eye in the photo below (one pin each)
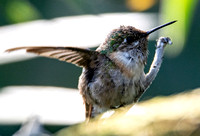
(130, 39)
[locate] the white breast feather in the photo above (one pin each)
(132, 63)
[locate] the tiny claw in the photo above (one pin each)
(163, 41)
(170, 42)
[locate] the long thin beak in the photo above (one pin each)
(159, 27)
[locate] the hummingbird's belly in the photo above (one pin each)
(126, 94)
(113, 89)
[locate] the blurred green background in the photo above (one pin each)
(180, 70)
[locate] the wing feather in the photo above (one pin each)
(78, 56)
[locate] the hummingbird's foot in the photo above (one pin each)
(157, 61)
(163, 41)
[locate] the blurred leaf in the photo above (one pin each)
(20, 11)
(181, 11)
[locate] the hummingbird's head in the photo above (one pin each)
(123, 38)
(127, 38)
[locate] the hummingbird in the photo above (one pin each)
(113, 75)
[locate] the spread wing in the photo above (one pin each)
(78, 56)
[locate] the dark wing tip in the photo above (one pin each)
(14, 49)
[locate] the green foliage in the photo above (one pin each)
(183, 12)
(20, 11)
